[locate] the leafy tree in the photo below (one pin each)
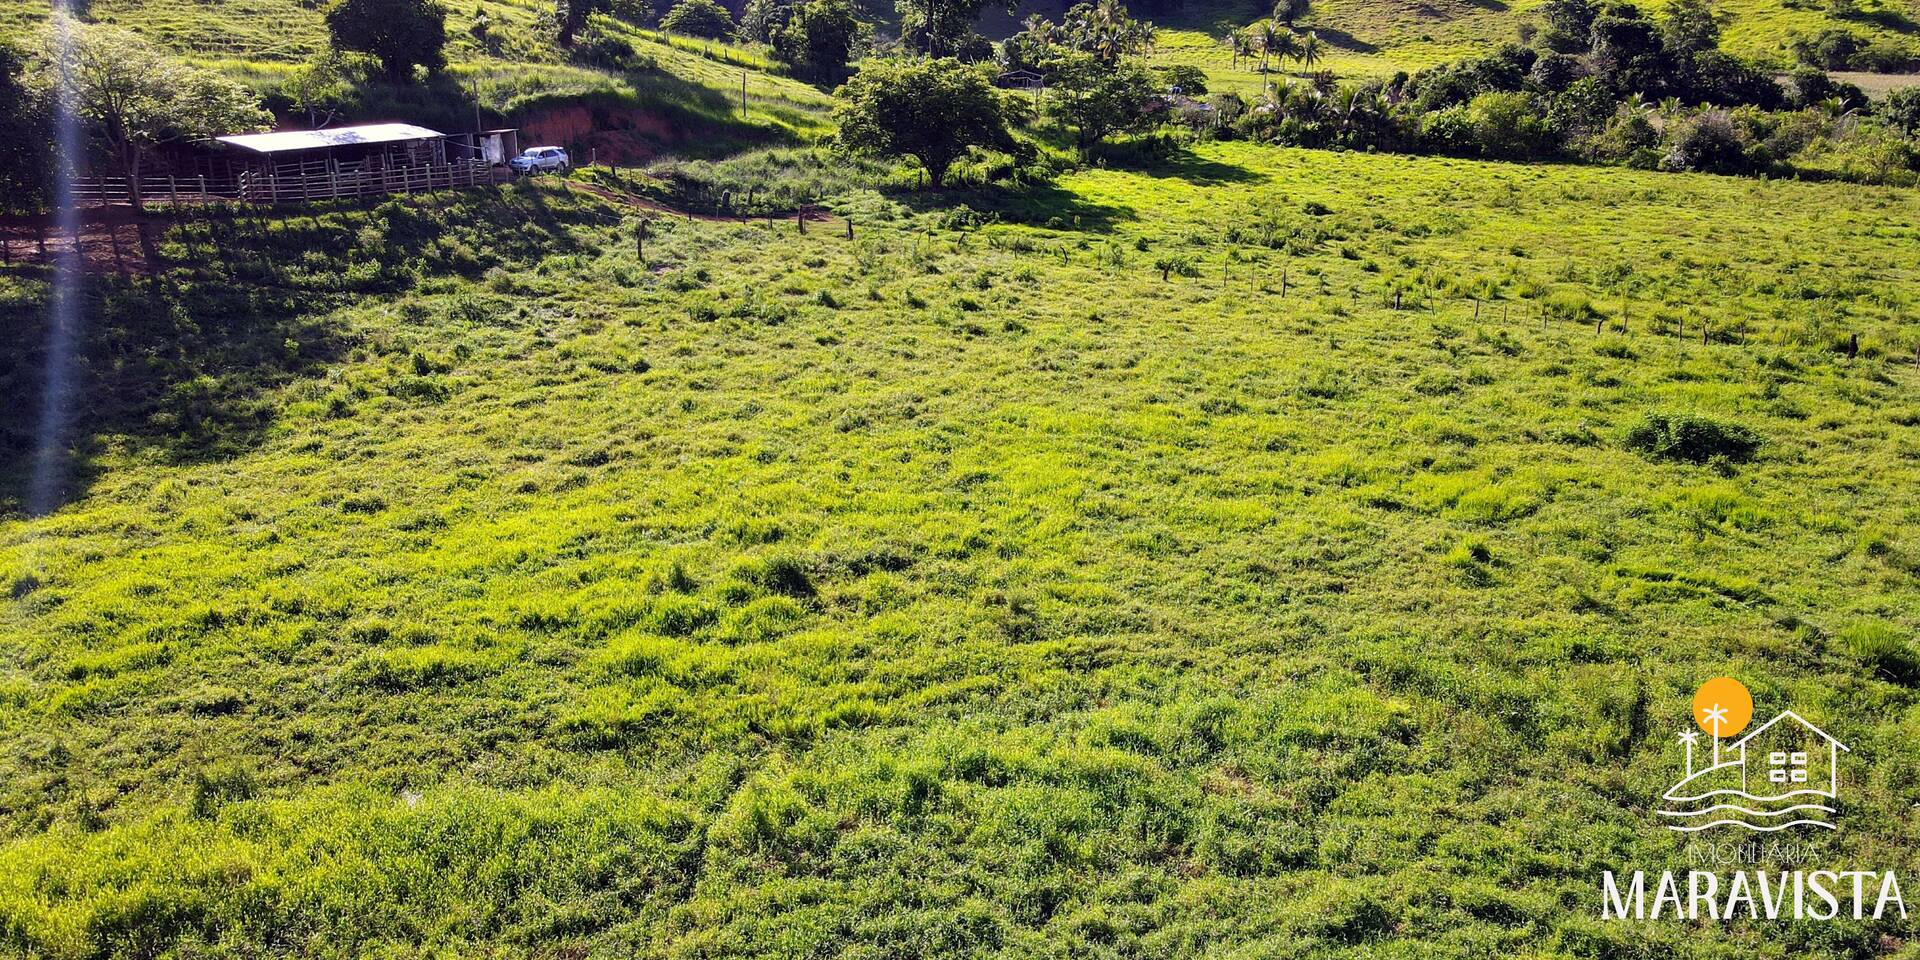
(761, 20)
(1691, 27)
(933, 110)
(938, 27)
(1190, 80)
(699, 18)
(1716, 77)
(1554, 72)
(1099, 100)
(819, 38)
(1628, 52)
(1581, 112)
(135, 98)
(1830, 49)
(1808, 87)
(1901, 110)
(324, 84)
(1287, 11)
(24, 127)
(1567, 25)
(1505, 126)
(573, 14)
(1707, 142)
(401, 34)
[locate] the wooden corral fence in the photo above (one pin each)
(316, 180)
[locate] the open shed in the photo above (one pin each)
(370, 146)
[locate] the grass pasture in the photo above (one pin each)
(963, 588)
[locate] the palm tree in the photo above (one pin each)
(1277, 41)
(1308, 52)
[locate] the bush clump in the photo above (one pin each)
(1694, 439)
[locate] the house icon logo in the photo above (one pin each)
(1783, 774)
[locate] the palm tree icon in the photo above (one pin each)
(1713, 716)
(1688, 737)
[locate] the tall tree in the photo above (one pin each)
(818, 40)
(24, 127)
(401, 34)
(1276, 41)
(324, 84)
(1691, 27)
(1105, 30)
(573, 14)
(1287, 11)
(939, 28)
(1567, 25)
(1099, 100)
(136, 99)
(1309, 51)
(761, 20)
(699, 18)
(932, 110)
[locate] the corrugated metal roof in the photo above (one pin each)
(286, 140)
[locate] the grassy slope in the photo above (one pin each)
(1381, 36)
(943, 591)
(261, 41)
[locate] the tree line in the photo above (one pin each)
(1602, 83)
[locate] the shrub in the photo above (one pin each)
(1694, 439)
(1707, 143)
(699, 18)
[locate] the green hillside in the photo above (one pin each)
(1125, 578)
(1382, 36)
(687, 97)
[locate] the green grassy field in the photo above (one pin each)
(443, 581)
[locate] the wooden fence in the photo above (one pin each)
(287, 183)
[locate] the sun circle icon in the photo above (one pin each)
(1722, 706)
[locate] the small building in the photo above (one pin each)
(1020, 80)
(371, 146)
(496, 147)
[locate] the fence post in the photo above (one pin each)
(173, 189)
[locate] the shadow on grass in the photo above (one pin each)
(188, 368)
(1884, 18)
(1045, 204)
(1183, 164)
(1347, 41)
